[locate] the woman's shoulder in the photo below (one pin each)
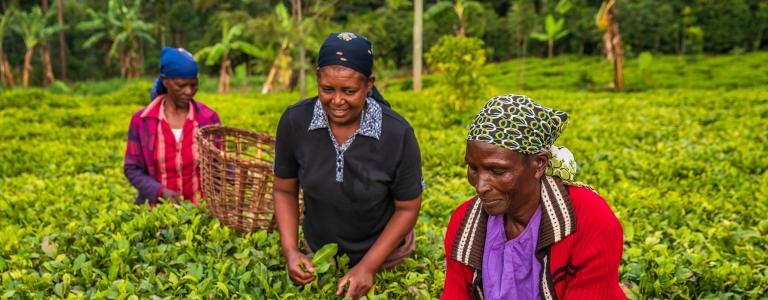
(303, 107)
(308, 103)
(458, 215)
(454, 224)
(205, 111)
(137, 114)
(590, 208)
(393, 118)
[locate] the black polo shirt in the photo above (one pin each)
(349, 190)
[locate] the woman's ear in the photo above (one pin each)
(539, 162)
(371, 80)
(165, 80)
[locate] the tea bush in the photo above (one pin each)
(685, 170)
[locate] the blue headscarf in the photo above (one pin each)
(174, 63)
(352, 51)
(347, 49)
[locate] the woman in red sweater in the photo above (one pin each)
(531, 232)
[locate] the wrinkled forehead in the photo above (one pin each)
(485, 151)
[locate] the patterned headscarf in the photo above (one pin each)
(347, 49)
(517, 123)
(352, 51)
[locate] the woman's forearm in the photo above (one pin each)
(285, 193)
(400, 224)
(147, 185)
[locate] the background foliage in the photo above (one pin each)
(658, 26)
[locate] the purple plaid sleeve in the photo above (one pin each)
(135, 167)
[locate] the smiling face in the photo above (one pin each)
(342, 92)
(507, 182)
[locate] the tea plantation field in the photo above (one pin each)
(683, 164)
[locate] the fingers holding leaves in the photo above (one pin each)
(300, 268)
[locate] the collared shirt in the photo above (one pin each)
(140, 164)
(177, 168)
(370, 126)
(349, 189)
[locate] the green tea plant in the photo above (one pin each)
(683, 168)
(458, 60)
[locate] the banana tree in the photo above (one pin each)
(418, 39)
(32, 26)
(121, 25)
(6, 74)
(459, 8)
(553, 31)
(62, 43)
(606, 21)
(291, 32)
(281, 66)
(230, 40)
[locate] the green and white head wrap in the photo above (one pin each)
(517, 123)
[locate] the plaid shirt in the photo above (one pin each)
(143, 151)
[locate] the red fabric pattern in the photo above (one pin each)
(584, 265)
(177, 161)
(140, 164)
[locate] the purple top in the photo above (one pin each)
(510, 267)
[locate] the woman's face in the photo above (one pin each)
(342, 92)
(504, 180)
(180, 90)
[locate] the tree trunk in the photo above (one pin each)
(122, 58)
(550, 46)
(224, 74)
(758, 40)
(130, 65)
(267, 87)
(607, 46)
(619, 53)
(418, 8)
(6, 74)
(62, 42)
(136, 65)
(521, 64)
(107, 59)
(45, 50)
(459, 8)
(614, 39)
(27, 68)
(285, 71)
(47, 65)
(302, 56)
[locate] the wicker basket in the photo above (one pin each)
(236, 171)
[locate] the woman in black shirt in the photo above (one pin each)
(359, 166)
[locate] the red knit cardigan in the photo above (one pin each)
(580, 245)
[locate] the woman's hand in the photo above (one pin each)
(300, 268)
(360, 280)
(171, 196)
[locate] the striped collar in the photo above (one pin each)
(557, 222)
(370, 120)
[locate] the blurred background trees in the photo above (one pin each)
(122, 38)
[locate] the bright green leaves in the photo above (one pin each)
(323, 258)
(687, 183)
